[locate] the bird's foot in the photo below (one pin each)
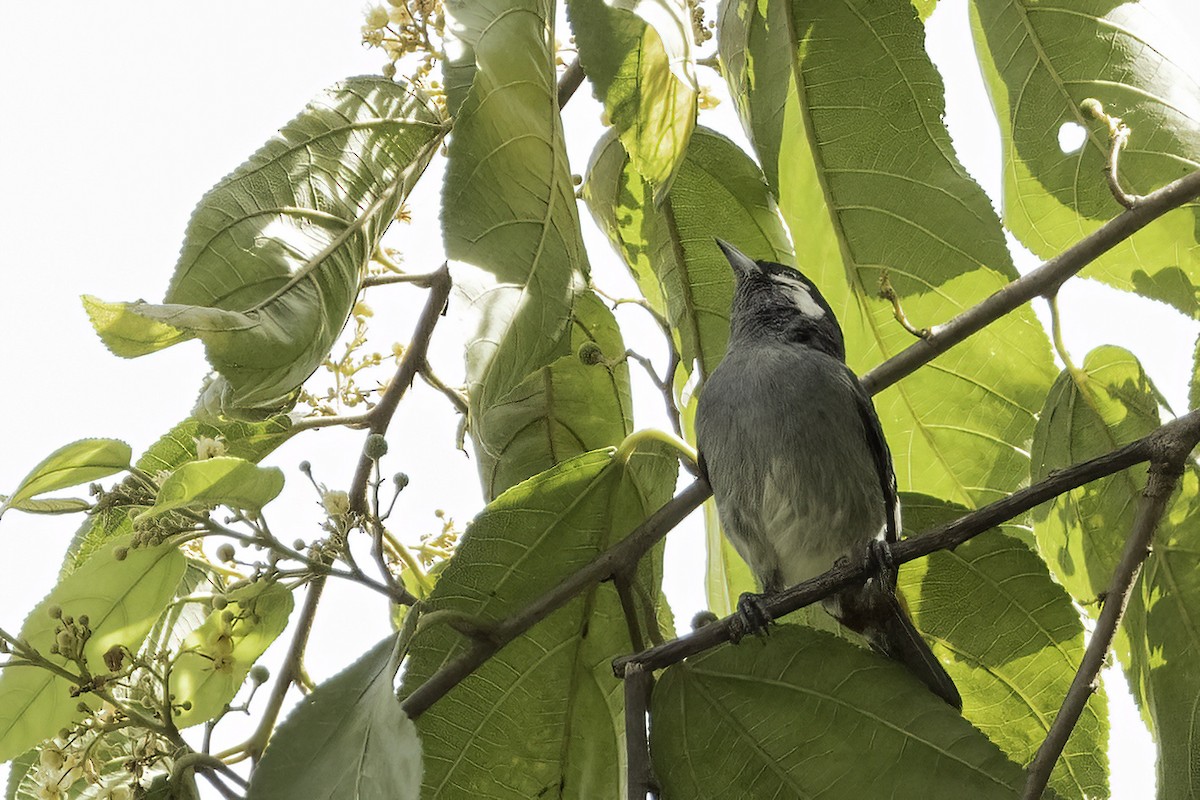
(881, 561)
(752, 617)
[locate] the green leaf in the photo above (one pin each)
(221, 481)
(70, 465)
(565, 408)
(1040, 63)
(122, 599)
(639, 56)
(1014, 671)
(1081, 534)
(273, 256)
(508, 209)
(216, 657)
(556, 680)
(125, 332)
(726, 725)
(868, 182)
(670, 246)
(1162, 648)
(54, 505)
(249, 440)
(348, 740)
(1108, 403)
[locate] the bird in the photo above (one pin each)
(792, 447)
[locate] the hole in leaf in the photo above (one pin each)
(1071, 136)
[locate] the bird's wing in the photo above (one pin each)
(882, 457)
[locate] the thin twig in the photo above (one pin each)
(943, 537)
(1164, 475)
(638, 685)
(623, 554)
(456, 398)
(1118, 137)
(289, 673)
(425, 280)
(569, 81)
(1044, 280)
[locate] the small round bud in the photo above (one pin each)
(227, 616)
(259, 674)
(590, 353)
(299, 544)
(55, 612)
(376, 446)
(226, 552)
(401, 480)
(84, 620)
(439, 513)
(218, 601)
(64, 733)
(1092, 107)
(306, 467)
(703, 618)
(576, 179)
(388, 70)
(83, 708)
(186, 705)
(120, 553)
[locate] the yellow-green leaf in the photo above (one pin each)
(122, 597)
(70, 465)
(216, 657)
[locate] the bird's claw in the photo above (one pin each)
(752, 616)
(881, 561)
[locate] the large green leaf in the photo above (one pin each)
(249, 440)
(639, 57)
(70, 465)
(122, 597)
(508, 207)
(539, 694)
(216, 657)
(273, 256)
(348, 740)
(670, 247)
(844, 108)
(224, 480)
(804, 714)
(1110, 402)
(1014, 671)
(576, 403)
(1040, 62)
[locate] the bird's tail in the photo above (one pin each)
(884, 623)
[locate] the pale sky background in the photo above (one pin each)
(117, 117)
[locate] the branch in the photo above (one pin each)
(731, 628)
(567, 84)
(637, 745)
(624, 553)
(414, 357)
(1165, 469)
(1044, 280)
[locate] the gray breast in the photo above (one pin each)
(794, 480)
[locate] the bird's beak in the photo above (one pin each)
(742, 264)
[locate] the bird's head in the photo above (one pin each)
(775, 302)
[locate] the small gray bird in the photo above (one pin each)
(793, 450)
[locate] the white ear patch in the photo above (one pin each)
(799, 294)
